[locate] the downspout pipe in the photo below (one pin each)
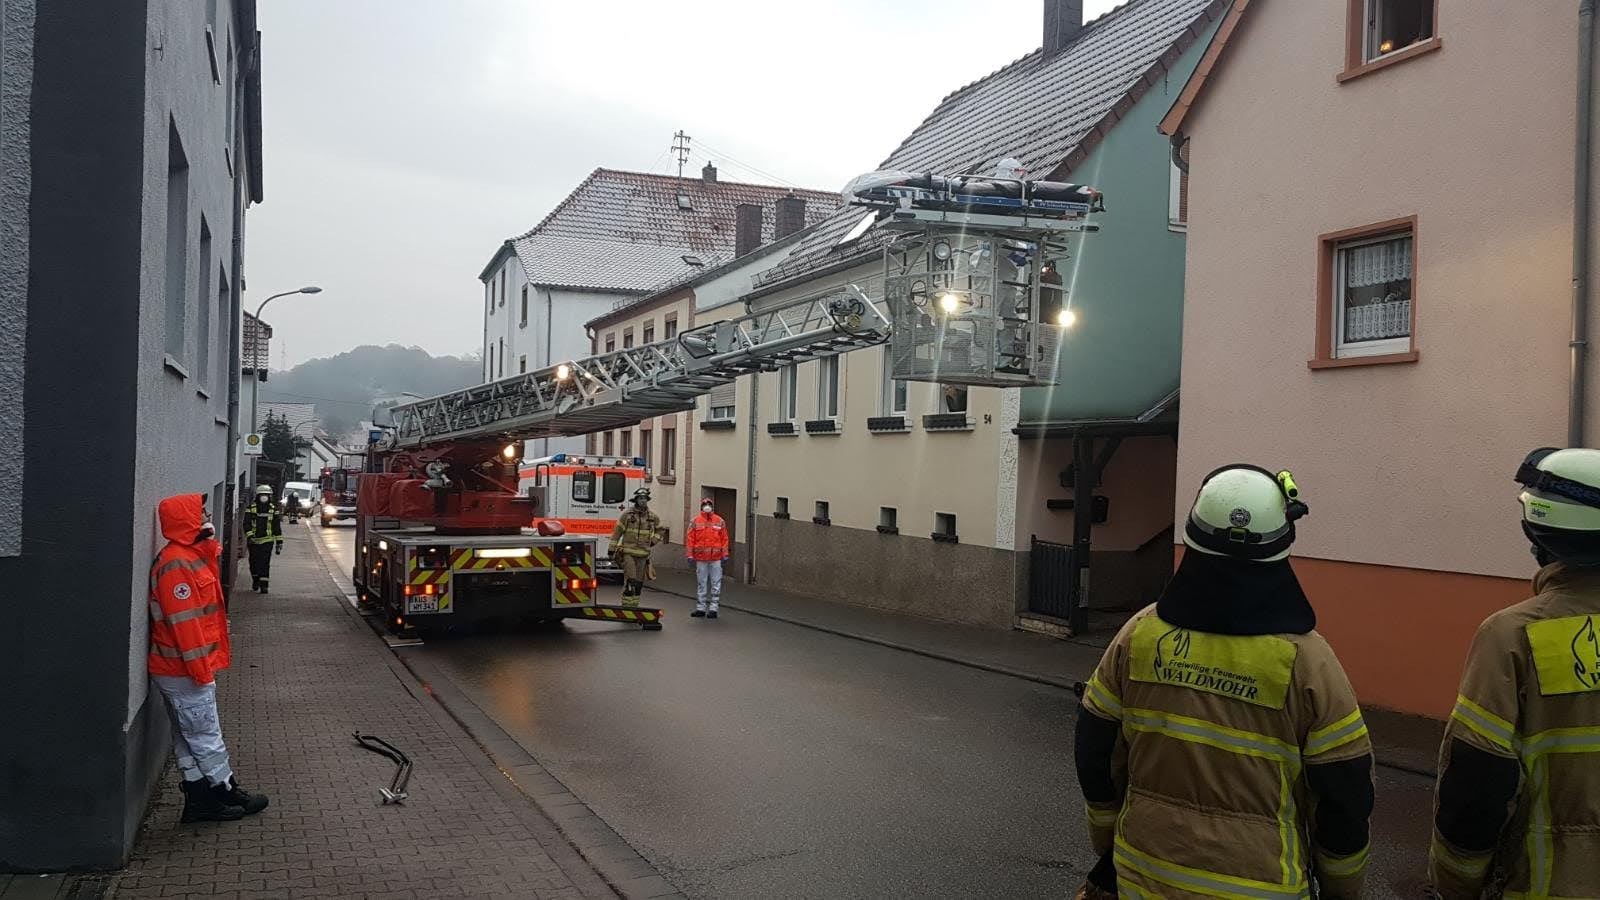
(236, 321)
(750, 475)
(1576, 400)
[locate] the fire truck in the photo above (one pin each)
(338, 489)
(587, 494)
(451, 528)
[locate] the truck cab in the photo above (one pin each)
(338, 499)
(585, 494)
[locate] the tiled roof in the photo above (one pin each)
(1047, 112)
(627, 231)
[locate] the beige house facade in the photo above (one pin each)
(668, 443)
(1379, 272)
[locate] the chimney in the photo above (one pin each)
(1063, 19)
(748, 219)
(791, 216)
(709, 174)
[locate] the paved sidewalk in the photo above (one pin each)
(1408, 743)
(306, 675)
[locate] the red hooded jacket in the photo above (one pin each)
(188, 627)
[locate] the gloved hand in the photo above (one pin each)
(279, 551)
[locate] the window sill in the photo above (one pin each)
(945, 538)
(717, 425)
(666, 479)
(1384, 359)
(220, 421)
(889, 424)
(1384, 62)
(888, 529)
(202, 393)
(822, 426)
(173, 366)
(780, 515)
(781, 429)
(1179, 227)
(947, 422)
(819, 520)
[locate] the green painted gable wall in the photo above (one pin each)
(1125, 282)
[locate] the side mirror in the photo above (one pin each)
(383, 416)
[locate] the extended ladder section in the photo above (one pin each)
(618, 389)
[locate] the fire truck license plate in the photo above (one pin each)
(422, 604)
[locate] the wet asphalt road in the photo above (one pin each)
(752, 758)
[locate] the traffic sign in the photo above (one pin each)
(252, 444)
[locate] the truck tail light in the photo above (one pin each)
(408, 590)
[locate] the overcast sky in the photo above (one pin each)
(404, 140)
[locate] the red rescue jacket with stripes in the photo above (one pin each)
(188, 627)
(708, 538)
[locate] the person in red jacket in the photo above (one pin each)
(707, 544)
(188, 646)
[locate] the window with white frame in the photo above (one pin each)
(828, 387)
(952, 398)
(671, 326)
(1178, 193)
(1393, 25)
(720, 404)
(895, 393)
(1372, 280)
(611, 342)
(786, 393)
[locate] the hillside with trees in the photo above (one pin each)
(346, 386)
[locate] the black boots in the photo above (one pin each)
(233, 795)
(201, 803)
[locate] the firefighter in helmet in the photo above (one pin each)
(1519, 773)
(638, 529)
(1219, 745)
(263, 531)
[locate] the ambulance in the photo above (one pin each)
(587, 495)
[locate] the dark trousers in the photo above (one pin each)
(260, 563)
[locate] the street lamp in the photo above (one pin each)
(255, 383)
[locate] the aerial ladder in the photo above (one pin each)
(972, 296)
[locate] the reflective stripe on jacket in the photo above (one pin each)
(188, 626)
(707, 540)
(262, 524)
(1530, 693)
(636, 533)
(1218, 732)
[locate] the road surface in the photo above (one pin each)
(748, 757)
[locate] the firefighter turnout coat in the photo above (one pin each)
(188, 626)
(636, 533)
(1518, 804)
(1219, 739)
(262, 523)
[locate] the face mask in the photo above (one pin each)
(705, 509)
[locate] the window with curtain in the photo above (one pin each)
(1372, 295)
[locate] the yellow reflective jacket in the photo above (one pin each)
(1531, 693)
(1216, 734)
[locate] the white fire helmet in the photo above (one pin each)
(1245, 512)
(1010, 167)
(1561, 503)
